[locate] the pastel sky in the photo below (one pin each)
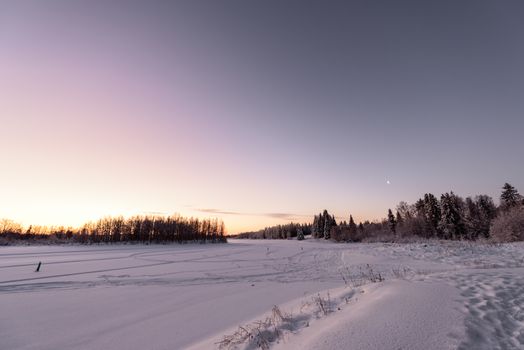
(258, 112)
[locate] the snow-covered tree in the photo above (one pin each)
(420, 208)
(451, 223)
(509, 225)
(510, 197)
(352, 226)
(329, 222)
(317, 229)
(432, 214)
(400, 219)
(405, 210)
(478, 215)
(392, 222)
(300, 234)
(472, 218)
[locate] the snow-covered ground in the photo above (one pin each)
(438, 295)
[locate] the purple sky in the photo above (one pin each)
(258, 112)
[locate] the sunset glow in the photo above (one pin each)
(172, 108)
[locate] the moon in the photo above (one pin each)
(388, 182)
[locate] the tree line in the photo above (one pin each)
(286, 231)
(449, 217)
(136, 229)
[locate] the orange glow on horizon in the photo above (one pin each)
(70, 217)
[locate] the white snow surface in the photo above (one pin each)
(435, 295)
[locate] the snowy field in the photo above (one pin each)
(445, 295)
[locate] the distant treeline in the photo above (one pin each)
(450, 217)
(278, 232)
(137, 229)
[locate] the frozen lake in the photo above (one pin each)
(175, 296)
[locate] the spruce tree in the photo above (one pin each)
(329, 222)
(472, 219)
(478, 214)
(327, 225)
(300, 234)
(420, 208)
(488, 212)
(352, 226)
(392, 222)
(432, 214)
(317, 229)
(510, 197)
(452, 221)
(321, 224)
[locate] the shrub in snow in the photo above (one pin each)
(509, 226)
(259, 334)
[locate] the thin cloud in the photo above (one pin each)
(284, 216)
(281, 216)
(219, 211)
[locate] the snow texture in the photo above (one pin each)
(435, 295)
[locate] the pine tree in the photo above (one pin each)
(488, 212)
(352, 226)
(451, 222)
(321, 224)
(317, 229)
(510, 197)
(420, 208)
(472, 219)
(392, 222)
(327, 228)
(478, 214)
(329, 222)
(327, 225)
(300, 234)
(432, 214)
